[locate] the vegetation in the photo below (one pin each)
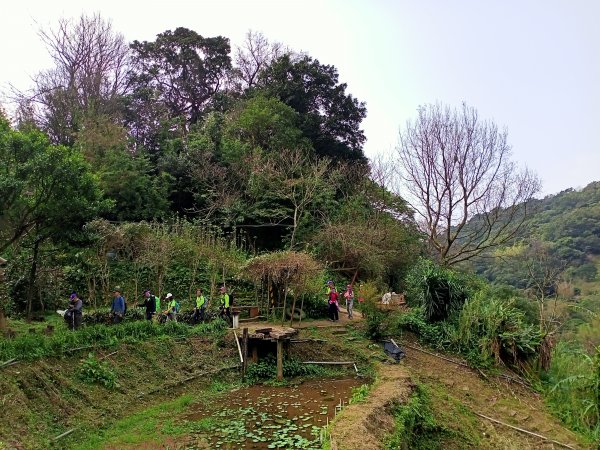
(175, 163)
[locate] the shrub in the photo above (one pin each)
(497, 329)
(93, 371)
(440, 291)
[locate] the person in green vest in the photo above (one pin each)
(171, 310)
(225, 307)
(200, 306)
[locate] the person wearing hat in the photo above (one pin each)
(150, 304)
(117, 310)
(74, 313)
(225, 306)
(349, 296)
(171, 310)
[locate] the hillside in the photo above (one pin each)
(568, 224)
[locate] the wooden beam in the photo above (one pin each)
(238, 346)
(279, 359)
(245, 351)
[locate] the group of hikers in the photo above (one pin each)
(334, 301)
(152, 303)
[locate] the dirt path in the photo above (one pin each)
(326, 323)
(365, 425)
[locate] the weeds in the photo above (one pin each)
(415, 427)
(266, 369)
(93, 371)
(573, 389)
(34, 346)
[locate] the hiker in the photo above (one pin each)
(74, 312)
(200, 306)
(149, 304)
(172, 308)
(117, 310)
(333, 305)
(225, 309)
(349, 296)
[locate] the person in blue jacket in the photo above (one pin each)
(117, 311)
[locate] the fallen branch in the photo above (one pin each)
(10, 362)
(110, 354)
(531, 433)
(437, 356)
(339, 363)
(196, 375)
(66, 433)
(237, 341)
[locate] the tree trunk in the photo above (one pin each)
(32, 276)
(3, 323)
(292, 311)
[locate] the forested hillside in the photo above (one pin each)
(566, 226)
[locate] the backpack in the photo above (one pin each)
(124, 306)
(176, 306)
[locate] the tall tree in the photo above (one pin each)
(46, 192)
(461, 182)
(329, 117)
(185, 70)
(254, 55)
(90, 74)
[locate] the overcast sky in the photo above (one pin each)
(531, 66)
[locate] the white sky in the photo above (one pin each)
(533, 66)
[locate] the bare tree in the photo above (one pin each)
(255, 53)
(90, 73)
(295, 178)
(460, 180)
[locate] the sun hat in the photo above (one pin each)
(169, 295)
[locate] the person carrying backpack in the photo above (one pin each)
(172, 308)
(225, 306)
(149, 304)
(117, 310)
(200, 306)
(74, 313)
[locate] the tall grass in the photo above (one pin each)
(497, 329)
(573, 388)
(62, 342)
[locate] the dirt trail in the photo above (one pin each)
(364, 425)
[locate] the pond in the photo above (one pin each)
(269, 417)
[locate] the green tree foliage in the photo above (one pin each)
(329, 117)
(42, 186)
(185, 70)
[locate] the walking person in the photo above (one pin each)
(349, 296)
(74, 313)
(149, 304)
(225, 307)
(117, 310)
(333, 305)
(172, 308)
(200, 306)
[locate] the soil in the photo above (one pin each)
(365, 425)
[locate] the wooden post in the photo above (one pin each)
(254, 353)
(245, 351)
(279, 359)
